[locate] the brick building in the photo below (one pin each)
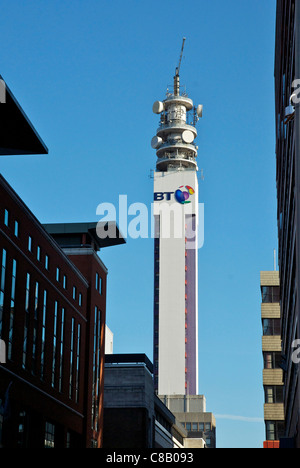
(52, 321)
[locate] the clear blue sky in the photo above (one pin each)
(87, 73)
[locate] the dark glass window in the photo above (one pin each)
(71, 359)
(271, 327)
(43, 334)
(12, 309)
(2, 287)
(6, 218)
(99, 283)
(35, 327)
(271, 430)
(54, 343)
(96, 368)
(270, 294)
(77, 363)
(26, 324)
(274, 394)
(16, 229)
(274, 430)
(272, 360)
(49, 435)
(61, 348)
(22, 429)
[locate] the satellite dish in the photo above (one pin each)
(158, 107)
(200, 110)
(188, 136)
(156, 142)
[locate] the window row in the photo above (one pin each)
(16, 230)
(59, 341)
(63, 279)
(197, 426)
(60, 278)
(36, 337)
(52, 434)
(7, 222)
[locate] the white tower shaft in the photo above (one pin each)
(176, 249)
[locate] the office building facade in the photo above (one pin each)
(271, 348)
(134, 416)
(52, 321)
(287, 70)
(190, 410)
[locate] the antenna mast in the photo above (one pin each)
(176, 77)
(174, 140)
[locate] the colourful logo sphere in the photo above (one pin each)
(182, 196)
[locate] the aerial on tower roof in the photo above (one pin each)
(176, 77)
(174, 140)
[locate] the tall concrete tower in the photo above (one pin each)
(176, 244)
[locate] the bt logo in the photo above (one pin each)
(159, 196)
(181, 196)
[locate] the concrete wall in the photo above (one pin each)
(173, 336)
